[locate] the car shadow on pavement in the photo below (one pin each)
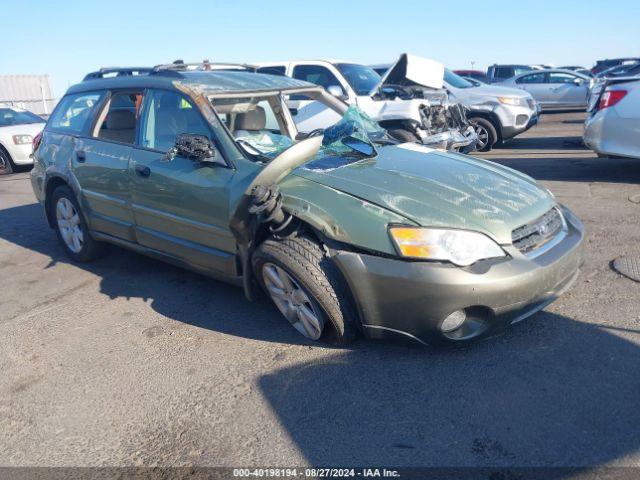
(543, 143)
(176, 293)
(576, 169)
(551, 392)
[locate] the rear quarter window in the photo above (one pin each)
(74, 112)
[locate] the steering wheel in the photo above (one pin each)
(315, 133)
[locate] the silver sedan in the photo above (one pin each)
(554, 89)
(613, 128)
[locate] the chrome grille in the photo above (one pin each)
(530, 237)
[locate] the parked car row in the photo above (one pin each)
(569, 87)
(340, 225)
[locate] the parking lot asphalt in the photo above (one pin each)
(129, 361)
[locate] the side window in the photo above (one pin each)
(315, 74)
(167, 115)
(74, 111)
(561, 78)
(272, 70)
(271, 123)
(533, 78)
(503, 72)
(118, 122)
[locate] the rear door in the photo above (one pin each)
(310, 114)
(181, 207)
(564, 90)
(100, 164)
(535, 84)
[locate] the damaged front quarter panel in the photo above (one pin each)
(244, 223)
(340, 216)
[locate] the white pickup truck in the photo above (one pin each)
(410, 103)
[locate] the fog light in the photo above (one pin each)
(453, 321)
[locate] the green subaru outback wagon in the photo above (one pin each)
(346, 229)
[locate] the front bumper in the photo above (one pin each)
(20, 154)
(411, 299)
(457, 140)
(518, 120)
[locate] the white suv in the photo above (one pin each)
(411, 105)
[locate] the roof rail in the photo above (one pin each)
(206, 65)
(171, 68)
(119, 71)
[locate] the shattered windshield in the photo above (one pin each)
(357, 124)
(258, 125)
(335, 151)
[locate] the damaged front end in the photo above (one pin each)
(412, 91)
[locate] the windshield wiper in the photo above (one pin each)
(253, 151)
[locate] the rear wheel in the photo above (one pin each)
(71, 228)
(307, 288)
(6, 164)
(486, 133)
(403, 135)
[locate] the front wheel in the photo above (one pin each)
(486, 133)
(6, 164)
(307, 288)
(403, 135)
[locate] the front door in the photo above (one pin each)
(566, 91)
(180, 206)
(536, 85)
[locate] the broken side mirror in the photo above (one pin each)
(337, 91)
(360, 146)
(195, 147)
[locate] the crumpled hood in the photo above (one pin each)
(413, 70)
(438, 189)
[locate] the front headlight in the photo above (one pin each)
(461, 247)
(22, 139)
(515, 101)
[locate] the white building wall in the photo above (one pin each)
(31, 92)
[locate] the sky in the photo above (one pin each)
(70, 38)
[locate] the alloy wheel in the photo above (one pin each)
(292, 300)
(483, 136)
(69, 225)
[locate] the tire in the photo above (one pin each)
(6, 163)
(484, 127)
(313, 273)
(89, 249)
(403, 135)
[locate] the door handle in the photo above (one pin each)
(142, 170)
(81, 156)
